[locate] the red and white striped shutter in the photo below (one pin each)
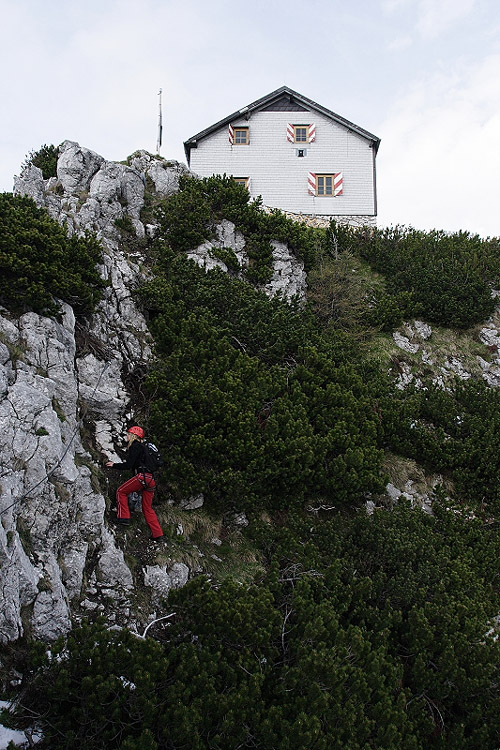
(231, 134)
(311, 183)
(290, 133)
(312, 132)
(338, 184)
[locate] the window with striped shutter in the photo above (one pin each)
(239, 136)
(301, 133)
(325, 185)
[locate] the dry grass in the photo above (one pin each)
(403, 470)
(196, 538)
(194, 522)
(443, 345)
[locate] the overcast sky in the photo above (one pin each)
(422, 75)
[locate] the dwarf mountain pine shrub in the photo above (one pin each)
(257, 408)
(45, 159)
(364, 632)
(455, 432)
(38, 261)
(448, 275)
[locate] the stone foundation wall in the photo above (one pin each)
(324, 221)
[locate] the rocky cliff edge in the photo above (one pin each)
(58, 556)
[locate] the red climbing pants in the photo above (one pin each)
(146, 484)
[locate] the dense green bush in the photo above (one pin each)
(363, 632)
(345, 296)
(449, 275)
(366, 632)
(38, 261)
(455, 432)
(189, 217)
(45, 159)
(254, 407)
(105, 686)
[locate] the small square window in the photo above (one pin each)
(245, 181)
(301, 133)
(242, 136)
(301, 152)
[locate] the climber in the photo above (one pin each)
(142, 481)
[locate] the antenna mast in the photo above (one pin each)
(160, 125)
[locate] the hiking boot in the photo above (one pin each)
(121, 521)
(157, 538)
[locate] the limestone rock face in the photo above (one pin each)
(76, 166)
(164, 175)
(289, 277)
(227, 238)
(57, 554)
(52, 517)
(162, 579)
(448, 355)
(490, 336)
(31, 183)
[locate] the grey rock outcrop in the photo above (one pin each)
(57, 554)
(418, 499)
(289, 276)
(91, 193)
(76, 166)
(52, 517)
(192, 503)
(162, 578)
(450, 356)
(490, 337)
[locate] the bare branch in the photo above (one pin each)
(288, 612)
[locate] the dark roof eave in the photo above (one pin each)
(191, 142)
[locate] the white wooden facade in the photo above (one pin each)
(288, 175)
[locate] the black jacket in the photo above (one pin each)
(135, 458)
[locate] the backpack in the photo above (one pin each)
(153, 460)
(135, 501)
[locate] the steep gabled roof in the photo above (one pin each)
(290, 101)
